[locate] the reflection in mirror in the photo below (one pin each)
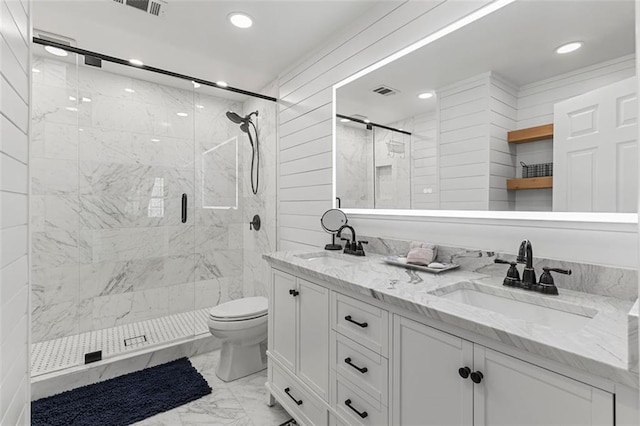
(500, 115)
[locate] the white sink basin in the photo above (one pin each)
(517, 309)
(329, 259)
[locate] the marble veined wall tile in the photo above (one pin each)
(52, 176)
(53, 248)
(54, 141)
(218, 264)
(53, 321)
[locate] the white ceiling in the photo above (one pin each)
(517, 42)
(195, 37)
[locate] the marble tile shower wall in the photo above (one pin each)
(255, 268)
(615, 282)
(109, 167)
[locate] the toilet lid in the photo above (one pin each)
(247, 307)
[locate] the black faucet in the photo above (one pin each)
(525, 255)
(354, 247)
(528, 282)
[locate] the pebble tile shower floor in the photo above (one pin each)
(65, 352)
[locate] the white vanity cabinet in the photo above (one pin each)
(428, 388)
(338, 359)
(299, 330)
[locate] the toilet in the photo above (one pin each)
(241, 324)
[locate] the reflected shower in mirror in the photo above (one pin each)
(531, 108)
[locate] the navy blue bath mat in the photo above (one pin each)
(123, 400)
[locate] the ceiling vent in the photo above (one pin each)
(385, 90)
(152, 7)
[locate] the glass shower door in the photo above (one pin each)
(136, 208)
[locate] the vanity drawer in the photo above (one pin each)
(364, 323)
(356, 407)
(363, 367)
(304, 407)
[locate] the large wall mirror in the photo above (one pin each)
(530, 108)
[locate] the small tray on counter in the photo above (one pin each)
(402, 261)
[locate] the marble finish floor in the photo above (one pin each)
(238, 403)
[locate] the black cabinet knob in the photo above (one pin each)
(293, 292)
(476, 377)
(464, 372)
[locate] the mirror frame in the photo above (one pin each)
(623, 222)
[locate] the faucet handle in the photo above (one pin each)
(546, 284)
(558, 270)
(513, 276)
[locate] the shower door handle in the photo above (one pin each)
(184, 208)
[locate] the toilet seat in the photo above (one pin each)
(244, 309)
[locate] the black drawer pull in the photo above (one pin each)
(362, 370)
(297, 401)
(362, 415)
(361, 324)
(294, 293)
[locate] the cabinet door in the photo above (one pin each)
(514, 393)
(282, 319)
(313, 336)
(427, 389)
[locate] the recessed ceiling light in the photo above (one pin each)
(425, 95)
(129, 90)
(72, 109)
(155, 140)
(195, 85)
(344, 120)
(81, 129)
(569, 47)
(366, 120)
(200, 106)
(136, 62)
(71, 98)
(85, 99)
(55, 51)
(240, 20)
(36, 70)
(221, 83)
(182, 114)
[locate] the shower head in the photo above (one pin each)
(245, 127)
(235, 117)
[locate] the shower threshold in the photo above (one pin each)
(65, 352)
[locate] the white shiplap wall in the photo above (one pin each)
(306, 109)
(14, 263)
(305, 124)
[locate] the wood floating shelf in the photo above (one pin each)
(531, 134)
(530, 183)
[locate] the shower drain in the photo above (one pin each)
(137, 340)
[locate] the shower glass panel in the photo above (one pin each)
(354, 160)
(114, 258)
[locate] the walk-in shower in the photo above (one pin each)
(118, 266)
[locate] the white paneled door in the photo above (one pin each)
(595, 150)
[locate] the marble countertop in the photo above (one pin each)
(600, 347)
